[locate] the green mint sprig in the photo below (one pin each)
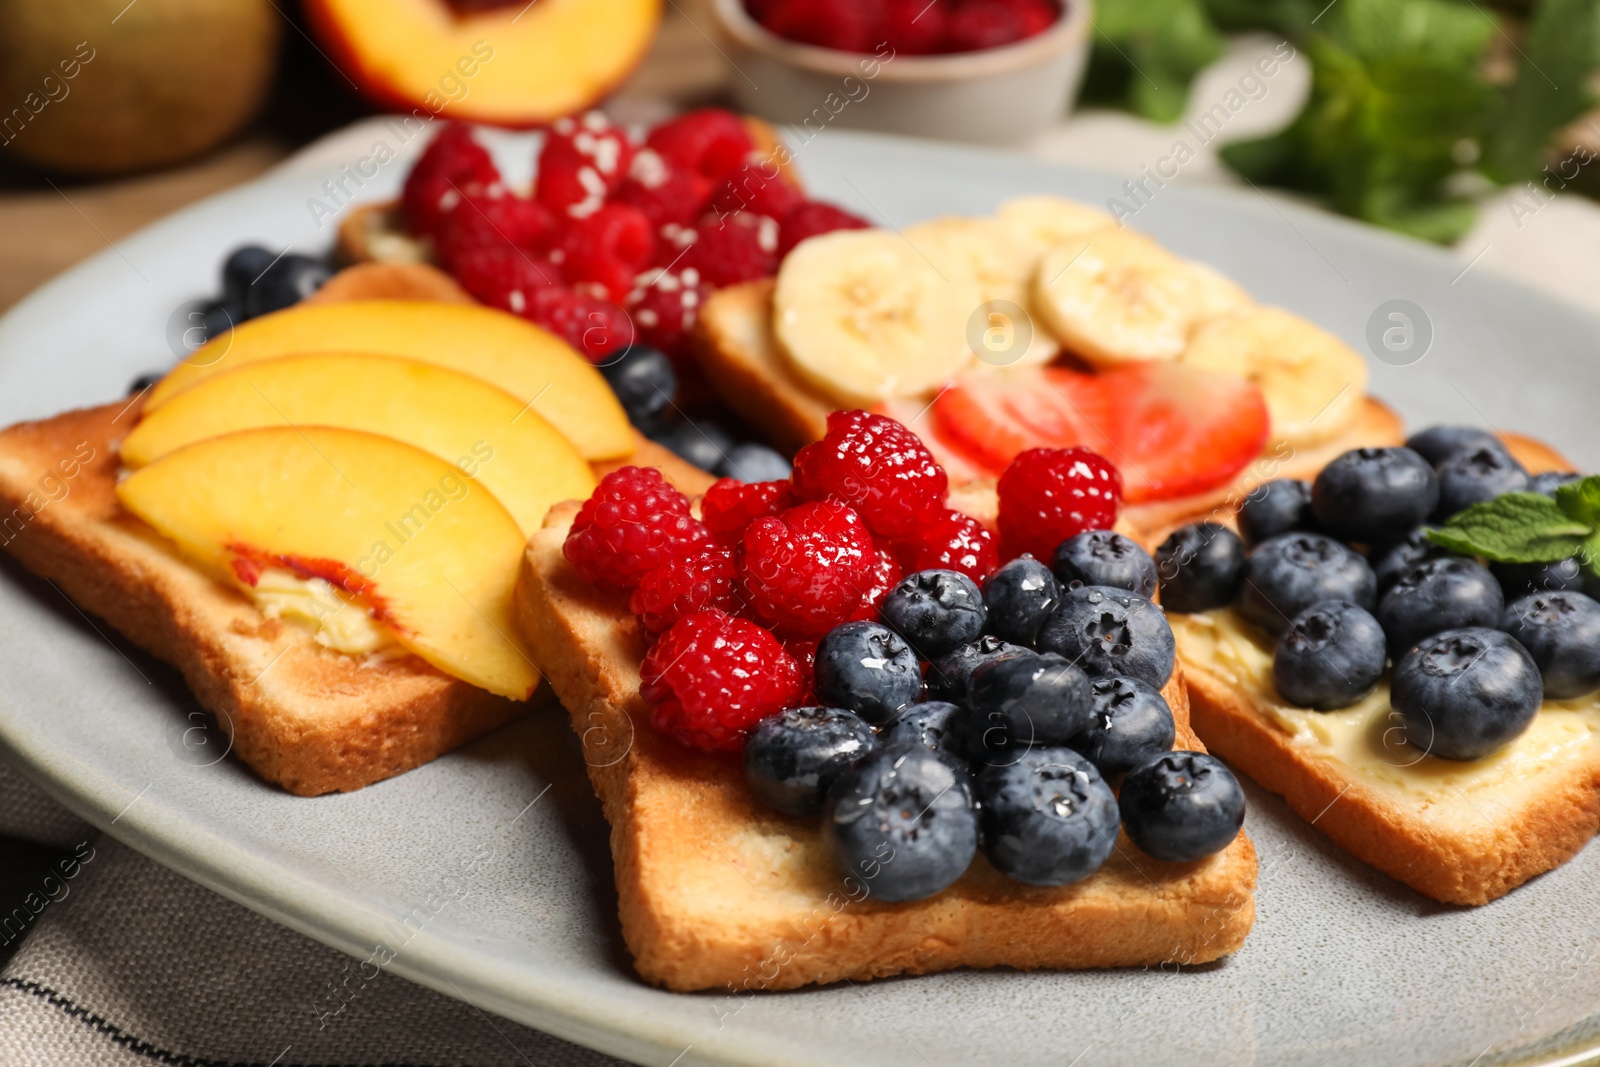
(1530, 527)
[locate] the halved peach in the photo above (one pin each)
(519, 63)
(533, 365)
(429, 551)
(487, 432)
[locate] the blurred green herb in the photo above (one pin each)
(1404, 97)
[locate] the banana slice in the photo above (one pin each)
(1313, 382)
(1115, 296)
(1049, 221)
(864, 316)
(1003, 263)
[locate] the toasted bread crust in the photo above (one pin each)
(390, 281)
(1448, 863)
(716, 890)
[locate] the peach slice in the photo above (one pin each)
(533, 365)
(429, 551)
(517, 63)
(487, 432)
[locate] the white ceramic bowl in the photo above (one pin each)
(998, 96)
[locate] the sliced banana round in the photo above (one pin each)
(1003, 264)
(864, 315)
(1115, 296)
(1049, 221)
(1312, 381)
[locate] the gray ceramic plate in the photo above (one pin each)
(497, 853)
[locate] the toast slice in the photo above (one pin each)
(736, 348)
(1461, 833)
(716, 890)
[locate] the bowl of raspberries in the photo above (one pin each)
(987, 71)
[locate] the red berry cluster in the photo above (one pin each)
(620, 239)
(908, 27)
(736, 599)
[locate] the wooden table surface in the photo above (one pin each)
(50, 222)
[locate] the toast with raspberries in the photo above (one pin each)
(717, 890)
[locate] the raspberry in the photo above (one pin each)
(733, 249)
(608, 248)
(632, 523)
(709, 142)
(878, 467)
(841, 24)
(804, 651)
(684, 585)
(911, 27)
(806, 570)
(666, 192)
(978, 24)
(1050, 494)
(582, 161)
(812, 219)
(595, 327)
(712, 677)
(503, 276)
(759, 188)
(886, 571)
(479, 215)
(729, 506)
(665, 306)
(452, 158)
(953, 542)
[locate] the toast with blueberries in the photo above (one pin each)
(820, 764)
(1403, 648)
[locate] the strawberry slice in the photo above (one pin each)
(958, 463)
(1173, 430)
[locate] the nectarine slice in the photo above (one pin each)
(519, 64)
(531, 364)
(487, 432)
(426, 548)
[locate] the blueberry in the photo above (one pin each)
(1111, 631)
(935, 610)
(1276, 507)
(1439, 594)
(1561, 631)
(1129, 722)
(241, 269)
(1474, 476)
(1031, 699)
(702, 442)
(1331, 656)
(948, 675)
(867, 668)
(1200, 567)
(1372, 495)
(143, 382)
(1438, 443)
(646, 386)
(1104, 557)
(1390, 561)
(1048, 818)
(902, 821)
(1463, 694)
(1548, 482)
(791, 758)
(217, 319)
(288, 281)
(935, 724)
(1520, 579)
(1181, 806)
(755, 463)
(1288, 573)
(1019, 597)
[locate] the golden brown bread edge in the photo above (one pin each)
(308, 719)
(717, 890)
(736, 349)
(1454, 865)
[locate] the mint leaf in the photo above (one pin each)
(1146, 52)
(1580, 500)
(1514, 528)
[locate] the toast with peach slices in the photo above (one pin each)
(1461, 833)
(741, 357)
(715, 889)
(304, 717)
